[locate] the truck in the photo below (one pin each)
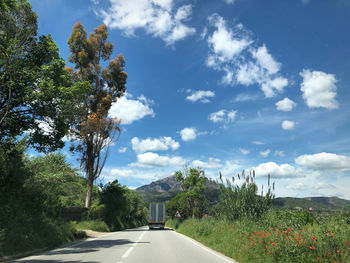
(156, 215)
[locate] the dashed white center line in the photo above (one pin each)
(126, 254)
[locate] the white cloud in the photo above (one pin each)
(223, 116)
(288, 125)
(161, 144)
(258, 143)
(285, 105)
(279, 153)
(225, 43)
(265, 153)
(229, 2)
(130, 110)
(122, 149)
(277, 171)
(265, 60)
(188, 134)
(232, 51)
(244, 151)
(158, 18)
(201, 95)
(150, 159)
(319, 89)
(325, 162)
(243, 97)
(212, 163)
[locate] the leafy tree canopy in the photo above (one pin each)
(37, 93)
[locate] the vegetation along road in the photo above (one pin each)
(131, 246)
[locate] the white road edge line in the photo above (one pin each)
(223, 257)
(126, 254)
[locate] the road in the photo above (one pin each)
(133, 246)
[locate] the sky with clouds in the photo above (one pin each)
(225, 85)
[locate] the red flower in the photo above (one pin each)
(314, 238)
(346, 242)
(330, 232)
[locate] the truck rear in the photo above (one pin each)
(156, 215)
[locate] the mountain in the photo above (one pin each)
(167, 188)
(316, 203)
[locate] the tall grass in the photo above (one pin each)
(240, 199)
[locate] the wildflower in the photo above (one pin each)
(275, 252)
(338, 251)
(268, 253)
(313, 247)
(346, 242)
(330, 232)
(314, 238)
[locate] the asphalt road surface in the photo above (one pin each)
(133, 246)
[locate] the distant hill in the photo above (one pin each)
(167, 188)
(316, 203)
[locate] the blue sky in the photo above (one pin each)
(225, 85)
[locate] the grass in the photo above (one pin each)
(278, 237)
(95, 225)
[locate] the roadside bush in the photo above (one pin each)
(123, 208)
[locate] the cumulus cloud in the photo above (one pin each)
(233, 52)
(150, 159)
(288, 125)
(285, 105)
(158, 18)
(265, 153)
(325, 162)
(161, 144)
(130, 110)
(277, 171)
(319, 89)
(201, 95)
(188, 134)
(230, 2)
(212, 163)
(223, 116)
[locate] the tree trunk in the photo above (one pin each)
(89, 193)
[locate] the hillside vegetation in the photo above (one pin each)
(34, 191)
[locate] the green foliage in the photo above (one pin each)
(242, 202)
(257, 241)
(192, 201)
(123, 208)
(37, 93)
(30, 213)
(95, 225)
(55, 177)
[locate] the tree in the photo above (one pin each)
(192, 182)
(95, 130)
(37, 94)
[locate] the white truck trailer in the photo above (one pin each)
(156, 215)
